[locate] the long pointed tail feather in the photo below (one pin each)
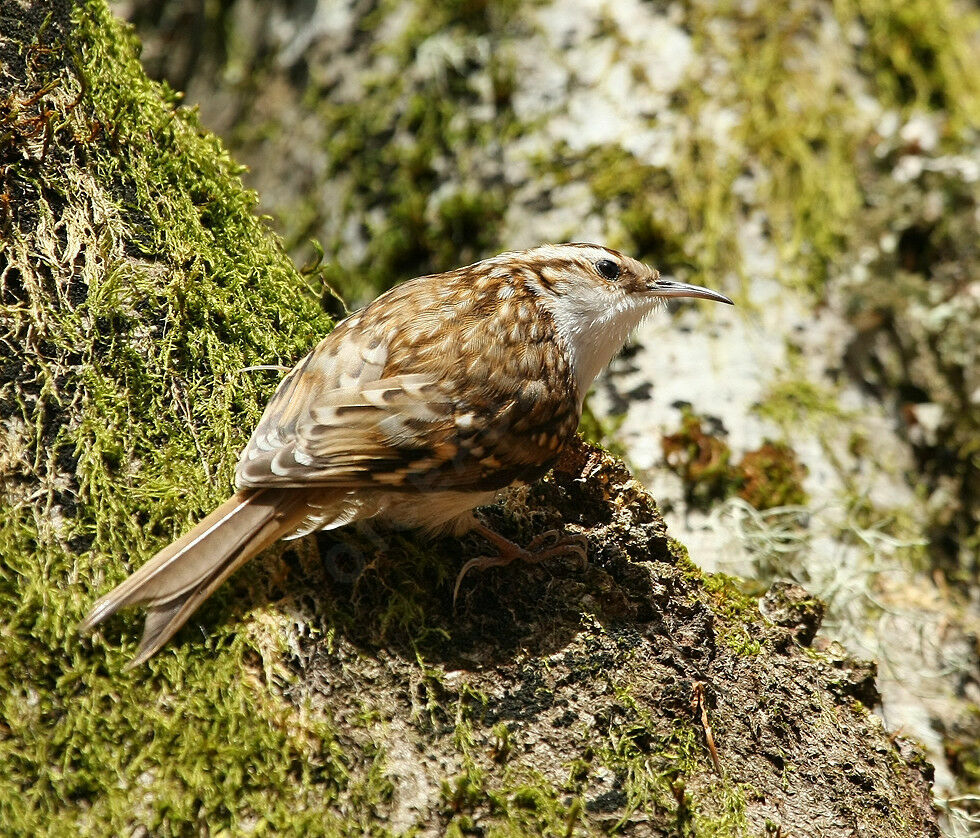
(178, 579)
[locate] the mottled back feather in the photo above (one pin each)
(469, 393)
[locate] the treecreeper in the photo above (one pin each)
(415, 410)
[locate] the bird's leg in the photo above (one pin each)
(508, 551)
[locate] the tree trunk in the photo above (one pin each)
(330, 688)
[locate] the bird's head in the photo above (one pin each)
(597, 297)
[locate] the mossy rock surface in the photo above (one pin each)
(330, 688)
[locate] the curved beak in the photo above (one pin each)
(662, 287)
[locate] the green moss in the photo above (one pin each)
(772, 476)
(735, 603)
(796, 401)
(728, 817)
(526, 805)
(134, 296)
(515, 801)
(766, 477)
(389, 151)
(736, 599)
(918, 54)
(702, 460)
(601, 430)
(741, 642)
(653, 772)
(683, 556)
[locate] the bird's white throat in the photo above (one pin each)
(594, 330)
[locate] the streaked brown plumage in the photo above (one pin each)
(416, 409)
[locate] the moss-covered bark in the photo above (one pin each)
(330, 689)
(832, 143)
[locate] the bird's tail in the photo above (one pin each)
(178, 579)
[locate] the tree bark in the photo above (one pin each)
(330, 688)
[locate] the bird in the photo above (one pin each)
(414, 411)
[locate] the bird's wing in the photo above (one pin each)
(344, 436)
(346, 417)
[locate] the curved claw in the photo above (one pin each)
(539, 541)
(563, 545)
(482, 562)
(575, 545)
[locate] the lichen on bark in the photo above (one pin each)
(330, 689)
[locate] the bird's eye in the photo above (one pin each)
(608, 268)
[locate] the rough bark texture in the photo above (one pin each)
(816, 160)
(330, 689)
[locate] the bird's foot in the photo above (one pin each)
(546, 546)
